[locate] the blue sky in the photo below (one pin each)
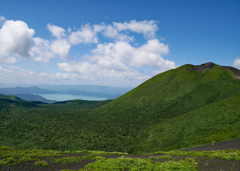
(116, 43)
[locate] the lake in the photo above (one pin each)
(64, 97)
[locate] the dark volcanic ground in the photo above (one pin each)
(225, 145)
(204, 164)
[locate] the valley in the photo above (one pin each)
(181, 108)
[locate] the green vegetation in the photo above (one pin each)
(41, 163)
(108, 161)
(176, 109)
(173, 110)
(167, 157)
(222, 154)
(132, 164)
(13, 156)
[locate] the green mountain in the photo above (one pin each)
(180, 108)
(183, 107)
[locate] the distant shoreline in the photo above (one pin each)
(65, 97)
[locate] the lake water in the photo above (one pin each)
(64, 97)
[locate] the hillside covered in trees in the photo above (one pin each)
(181, 108)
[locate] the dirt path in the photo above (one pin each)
(224, 145)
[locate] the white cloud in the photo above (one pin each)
(61, 48)
(41, 50)
(63, 76)
(236, 63)
(88, 33)
(122, 53)
(99, 27)
(112, 32)
(121, 61)
(2, 18)
(15, 40)
(84, 35)
(96, 72)
(56, 31)
(118, 60)
(148, 28)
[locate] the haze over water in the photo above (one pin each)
(64, 97)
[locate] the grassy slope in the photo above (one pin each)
(175, 109)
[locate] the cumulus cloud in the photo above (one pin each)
(41, 50)
(123, 54)
(116, 31)
(236, 63)
(56, 31)
(118, 60)
(15, 40)
(148, 28)
(61, 48)
(112, 32)
(84, 35)
(122, 61)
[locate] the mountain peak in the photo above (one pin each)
(202, 67)
(209, 66)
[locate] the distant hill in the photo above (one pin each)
(12, 97)
(88, 88)
(29, 93)
(181, 108)
(31, 97)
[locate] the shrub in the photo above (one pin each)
(41, 163)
